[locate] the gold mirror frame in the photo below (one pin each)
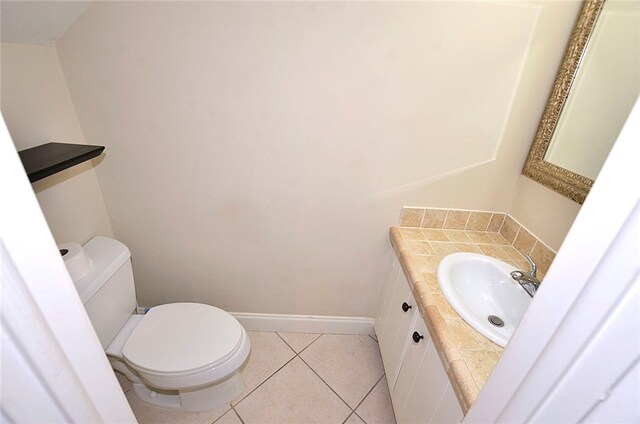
(567, 183)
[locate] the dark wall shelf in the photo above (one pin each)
(50, 158)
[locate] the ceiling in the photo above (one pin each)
(38, 22)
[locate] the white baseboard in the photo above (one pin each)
(305, 323)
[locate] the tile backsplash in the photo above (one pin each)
(482, 221)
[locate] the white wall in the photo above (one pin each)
(38, 109)
(258, 152)
(544, 212)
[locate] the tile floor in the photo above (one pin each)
(297, 378)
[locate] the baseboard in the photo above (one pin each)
(305, 323)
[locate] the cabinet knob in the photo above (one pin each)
(417, 337)
(405, 306)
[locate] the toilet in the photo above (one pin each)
(180, 355)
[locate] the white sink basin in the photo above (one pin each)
(477, 287)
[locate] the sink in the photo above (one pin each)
(481, 290)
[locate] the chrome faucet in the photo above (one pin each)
(527, 280)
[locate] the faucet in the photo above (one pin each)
(527, 280)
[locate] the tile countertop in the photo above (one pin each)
(467, 356)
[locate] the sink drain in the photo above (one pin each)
(497, 321)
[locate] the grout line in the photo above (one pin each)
(327, 384)
(424, 213)
(237, 415)
(530, 232)
(225, 413)
(296, 355)
(348, 416)
(467, 221)
(504, 220)
(265, 380)
(368, 393)
(430, 245)
(516, 238)
(285, 342)
(356, 414)
(533, 246)
(488, 222)
(444, 223)
(307, 346)
(316, 339)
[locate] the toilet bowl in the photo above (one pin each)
(179, 355)
(182, 355)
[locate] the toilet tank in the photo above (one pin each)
(108, 292)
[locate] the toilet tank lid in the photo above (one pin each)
(107, 255)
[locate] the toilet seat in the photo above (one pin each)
(183, 339)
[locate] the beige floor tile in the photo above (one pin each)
(229, 418)
(293, 395)
(268, 354)
(146, 413)
(376, 407)
(298, 341)
(354, 419)
(124, 381)
(350, 365)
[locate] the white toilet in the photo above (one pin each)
(180, 355)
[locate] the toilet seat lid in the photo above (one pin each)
(182, 337)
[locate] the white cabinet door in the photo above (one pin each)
(410, 366)
(419, 387)
(395, 333)
(449, 410)
(423, 393)
(384, 303)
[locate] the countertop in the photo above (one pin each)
(467, 356)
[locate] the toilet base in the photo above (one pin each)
(193, 400)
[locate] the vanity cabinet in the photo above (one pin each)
(396, 314)
(418, 384)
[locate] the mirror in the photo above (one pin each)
(594, 91)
